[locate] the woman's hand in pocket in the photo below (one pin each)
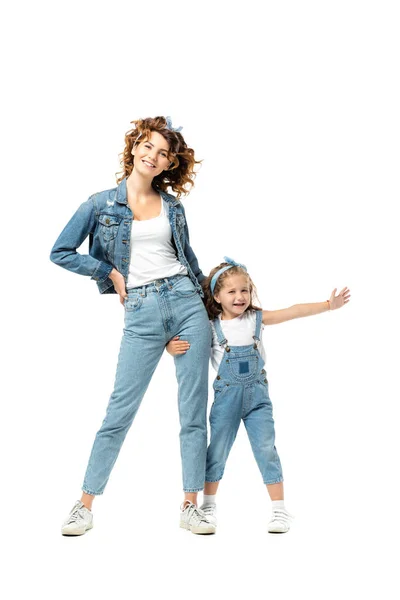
(119, 284)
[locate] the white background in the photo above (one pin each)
(294, 108)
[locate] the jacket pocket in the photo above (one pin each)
(109, 226)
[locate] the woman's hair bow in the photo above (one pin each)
(168, 125)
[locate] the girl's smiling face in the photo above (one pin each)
(234, 296)
(151, 156)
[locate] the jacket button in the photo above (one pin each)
(263, 371)
(265, 380)
(218, 377)
(107, 221)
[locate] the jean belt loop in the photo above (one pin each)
(143, 292)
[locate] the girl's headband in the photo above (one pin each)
(232, 263)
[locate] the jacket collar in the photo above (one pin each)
(121, 195)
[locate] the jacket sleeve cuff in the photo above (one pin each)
(102, 271)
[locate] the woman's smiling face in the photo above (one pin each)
(151, 156)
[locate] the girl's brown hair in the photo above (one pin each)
(213, 308)
(180, 175)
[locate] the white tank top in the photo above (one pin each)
(152, 253)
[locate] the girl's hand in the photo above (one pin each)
(340, 300)
(119, 284)
(176, 346)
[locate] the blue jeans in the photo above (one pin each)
(154, 314)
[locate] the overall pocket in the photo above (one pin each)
(243, 368)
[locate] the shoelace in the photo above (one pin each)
(196, 513)
(75, 515)
(282, 516)
(208, 509)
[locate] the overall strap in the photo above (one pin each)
(221, 338)
(257, 333)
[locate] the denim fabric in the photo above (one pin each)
(107, 219)
(154, 314)
(241, 393)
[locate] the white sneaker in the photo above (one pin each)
(210, 510)
(194, 519)
(280, 521)
(79, 520)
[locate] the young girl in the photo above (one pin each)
(139, 249)
(241, 385)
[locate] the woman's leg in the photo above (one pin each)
(192, 376)
(142, 345)
(87, 500)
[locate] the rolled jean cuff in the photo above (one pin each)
(275, 481)
(193, 490)
(86, 491)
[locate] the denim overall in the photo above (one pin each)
(241, 392)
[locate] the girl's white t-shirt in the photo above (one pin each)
(153, 255)
(239, 332)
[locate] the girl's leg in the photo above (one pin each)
(275, 491)
(225, 417)
(211, 488)
(260, 428)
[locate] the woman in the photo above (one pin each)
(139, 248)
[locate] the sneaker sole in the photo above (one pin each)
(198, 530)
(71, 534)
(278, 530)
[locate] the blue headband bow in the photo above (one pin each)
(169, 125)
(232, 263)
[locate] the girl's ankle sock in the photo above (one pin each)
(208, 499)
(278, 503)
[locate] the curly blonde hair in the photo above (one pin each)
(212, 306)
(180, 175)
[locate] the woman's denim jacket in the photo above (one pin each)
(107, 219)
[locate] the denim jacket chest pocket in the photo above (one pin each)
(109, 226)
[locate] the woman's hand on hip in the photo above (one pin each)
(119, 284)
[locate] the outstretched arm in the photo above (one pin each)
(273, 317)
